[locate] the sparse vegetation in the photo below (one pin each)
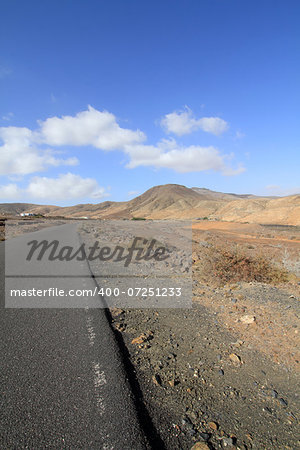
(138, 218)
(232, 265)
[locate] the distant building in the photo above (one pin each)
(27, 214)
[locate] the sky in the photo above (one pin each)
(101, 100)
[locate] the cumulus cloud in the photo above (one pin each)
(23, 150)
(167, 154)
(10, 192)
(20, 156)
(91, 127)
(184, 122)
(65, 187)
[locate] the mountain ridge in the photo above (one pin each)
(174, 201)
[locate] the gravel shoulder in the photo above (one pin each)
(224, 373)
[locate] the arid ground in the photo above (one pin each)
(226, 372)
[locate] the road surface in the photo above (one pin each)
(63, 382)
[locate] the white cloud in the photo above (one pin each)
(23, 150)
(167, 154)
(91, 127)
(65, 187)
(10, 192)
(20, 156)
(183, 122)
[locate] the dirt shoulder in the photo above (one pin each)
(201, 382)
(224, 373)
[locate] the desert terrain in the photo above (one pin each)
(225, 372)
(173, 201)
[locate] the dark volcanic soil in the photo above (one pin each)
(224, 373)
(203, 383)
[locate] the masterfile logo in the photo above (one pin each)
(54, 251)
(132, 265)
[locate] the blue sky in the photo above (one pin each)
(103, 100)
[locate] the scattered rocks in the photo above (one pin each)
(180, 365)
(274, 393)
(115, 312)
(247, 319)
(283, 402)
(205, 436)
(120, 326)
(156, 380)
(142, 338)
(227, 442)
(236, 359)
(213, 426)
(200, 446)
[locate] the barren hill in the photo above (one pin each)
(7, 209)
(173, 201)
(213, 195)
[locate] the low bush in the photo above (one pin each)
(232, 265)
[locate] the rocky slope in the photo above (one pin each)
(172, 201)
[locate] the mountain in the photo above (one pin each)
(173, 201)
(14, 209)
(224, 196)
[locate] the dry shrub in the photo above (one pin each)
(232, 265)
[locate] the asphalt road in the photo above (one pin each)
(63, 381)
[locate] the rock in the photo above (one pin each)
(187, 422)
(139, 340)
(156, 379)
(115, 312)
(283, 402)
(238, 343)
(120, 326)
(200, 446)
(171, 383)
(227, 442)
(274, 393)
(247, 319)
(221, 372)
(205, 436)
(213, 426)
(236, 359)
(142, 338)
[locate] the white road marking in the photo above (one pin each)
(99, 381)
(91, 330)
(99, 375)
